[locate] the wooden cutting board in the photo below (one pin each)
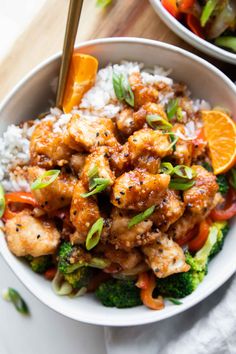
(44, 36)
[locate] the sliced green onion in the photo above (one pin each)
(172, 108)
(157, 122)
(122, 88)
(179, 114)
(207, 11)
(174, 301)
(94, 234)
(103, 3)
(99, 184)
(184, 171)
(92, 173)
(228, 42)
(180, 185)
(2, 201)
(140, 217)
(42, 181)
(13, 296)
(128, 93)
(174, 138)
(232, 178)
(167, 168)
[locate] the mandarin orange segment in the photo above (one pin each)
(81, 77)
(220, 133)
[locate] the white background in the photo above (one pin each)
(44, 332)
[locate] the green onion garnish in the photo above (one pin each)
(99, 184)
(174, 138)
(2, 201)
(172, 108)
(167, 168)
(179, 114)
(174, 301)
(92, 173)
(184, 171)
(140, 217)
(157, 122)
(94, 234)
(180, 184)
(228, 42)
(13, 296)
(123, 89)
(42, 181)
(232, 178)
(207, 11)
(103, 3)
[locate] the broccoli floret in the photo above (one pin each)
(179, 285)
(223, 228)
(182, 284)
(79, 278)
(119, 293)
(74, 257)
(222, 183)
(40, 264)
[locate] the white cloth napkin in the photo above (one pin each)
(207, 328)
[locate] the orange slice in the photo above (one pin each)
(81, 77)
(220, 133)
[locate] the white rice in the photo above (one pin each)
(99, 101)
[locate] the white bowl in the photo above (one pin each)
(190, 37)
(32, 95)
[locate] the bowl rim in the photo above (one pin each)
(202, 44)
(156, 315)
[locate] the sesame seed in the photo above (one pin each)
(38, 236)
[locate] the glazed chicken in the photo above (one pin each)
(85, 134)
(48, 149)
(138, 190)
(55, 196)
(27, 235)
(165, 257)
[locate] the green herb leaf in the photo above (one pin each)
(174, 138)
(140, 217)
(232, 178)
(94, 234)
(167, 168)
(92, 173)
(117, 85)
(157, 122)
(180, 184)
(2, 201)
(172, 108)
(103, 3)
(43, 180)
(207, 11)
(228, 42)
(184, 171)
(174, 301)
(128, 93)
(13, 296)
(99, 184)
(123, 89)
(179, 114)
